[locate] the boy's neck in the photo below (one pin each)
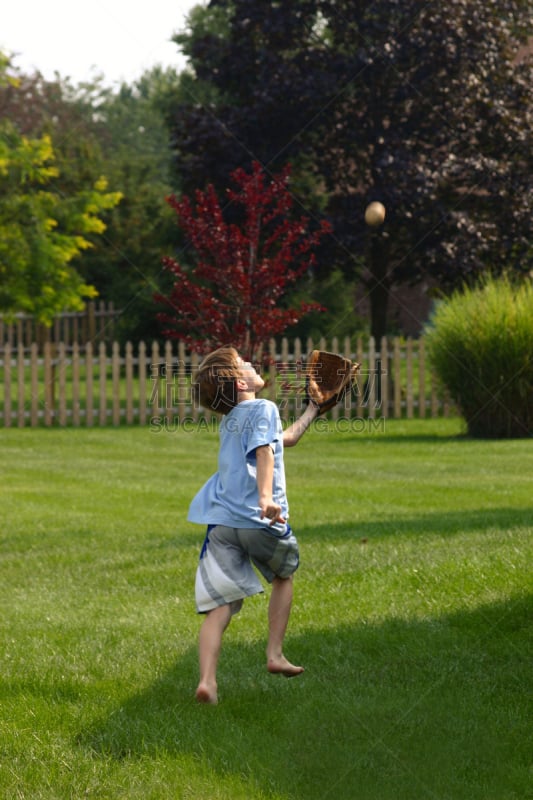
(242, 396)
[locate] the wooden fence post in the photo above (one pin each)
(298, 376)
(89, 388)
(154, 373)
(20, 385)
(180, 375)
(7, 385)
(102, 377)
(409, 378)
(372, 379)
(421, 379)
(384, 376)
(34, 371)
(115, 376)
(129, 383)
(61, 369)
(141, 361)
(172, 377)
(397, 367)
(48, 384)
(360, 380)
(347, 353)
(194, 367)
(75, 383)
(283, 398)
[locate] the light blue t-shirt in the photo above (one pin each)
(230, 496)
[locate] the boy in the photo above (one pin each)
(245, 508)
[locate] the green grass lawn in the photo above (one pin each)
(413, 616)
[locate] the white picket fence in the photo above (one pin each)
(60, 385)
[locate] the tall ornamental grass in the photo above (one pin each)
(480, 342)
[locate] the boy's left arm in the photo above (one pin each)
(294, 432)
(265, 479)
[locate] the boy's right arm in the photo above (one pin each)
(293, 434)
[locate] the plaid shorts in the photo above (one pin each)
(225, 573)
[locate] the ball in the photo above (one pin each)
(374, 214)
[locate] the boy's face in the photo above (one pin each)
(253, 380)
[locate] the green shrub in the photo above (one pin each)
(480, 342)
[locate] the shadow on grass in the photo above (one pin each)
(384, 437)
(438, 708)
(439, 523)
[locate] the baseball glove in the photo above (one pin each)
(328, 378)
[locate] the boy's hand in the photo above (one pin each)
(270, 510)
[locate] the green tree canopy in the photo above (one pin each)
(122, 135)
(45, 224)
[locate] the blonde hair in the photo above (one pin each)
(214, 384)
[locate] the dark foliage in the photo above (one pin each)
(425, 107)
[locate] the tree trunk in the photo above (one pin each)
(379, 304)
(378, 285)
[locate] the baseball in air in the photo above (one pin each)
(374, 214)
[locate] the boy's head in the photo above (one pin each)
(220, 377)
(214, 384)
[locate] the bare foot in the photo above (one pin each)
(280, 666)
(206, 694)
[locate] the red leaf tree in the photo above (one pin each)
(242, 270)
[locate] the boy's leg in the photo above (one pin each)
(279, 610)
(210, 641)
